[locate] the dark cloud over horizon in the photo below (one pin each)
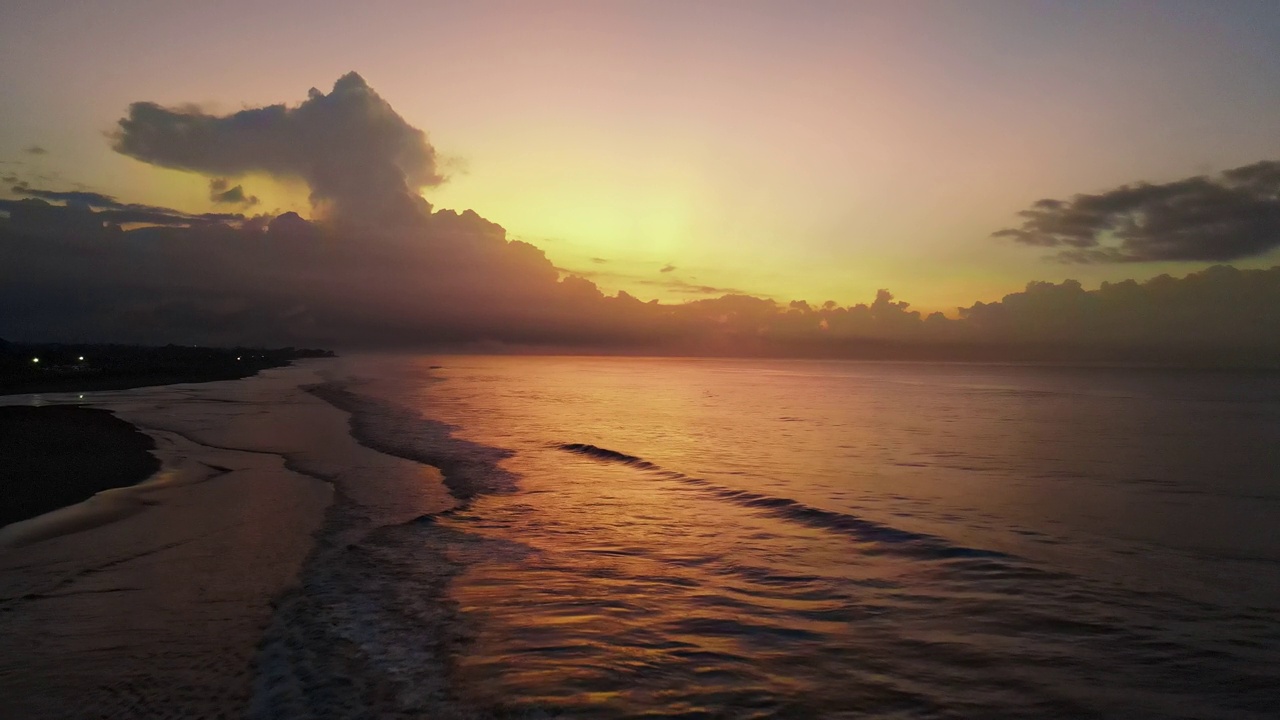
(1230, 216)
(378, 267)
(82, 208)
(458, 280)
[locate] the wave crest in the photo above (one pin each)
(885, 538)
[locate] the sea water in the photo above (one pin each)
(794, 539)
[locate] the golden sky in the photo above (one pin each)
(814, 151)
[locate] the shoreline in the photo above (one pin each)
(90, 384)
(58, 456)
(185, 564)
(53, 368)
(199, 563)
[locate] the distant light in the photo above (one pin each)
(35, 360)
(237, 357)
(81, 358)
(81, 397)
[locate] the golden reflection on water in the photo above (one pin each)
(799, 537)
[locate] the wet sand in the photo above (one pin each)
(152, 600)
(56, 456)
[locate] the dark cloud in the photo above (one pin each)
(78, 197)
(79, 265)
(689, 288)
(69, 272)
(82, 210)
(363, 162)
(1215, 313)
(1233, 215)
(673, 284)
(599, 260)
(220, 193)
(667, 268)
(35, 150)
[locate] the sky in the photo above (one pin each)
(682, 151)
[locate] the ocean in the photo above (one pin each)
(695, 538)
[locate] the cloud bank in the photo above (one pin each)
(79, 211)
(1230, 216)
(378, 267)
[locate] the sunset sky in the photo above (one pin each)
(797, 151)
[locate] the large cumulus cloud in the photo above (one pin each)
(363, 162)
(1233, 215)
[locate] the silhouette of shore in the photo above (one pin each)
(49, 368)
(56, 456)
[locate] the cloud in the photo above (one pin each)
(85, 266)
(363, 162)
(1220, 312)
(683, 286)
(219, 193)
(667, 268)
(68, 272)
(69, 196)
(673, 284)
(599, 260)
(35, 150)
(1233, 215)
(81, 210)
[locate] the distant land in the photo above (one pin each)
(60, 455)
(49, 368)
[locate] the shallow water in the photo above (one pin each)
(708, 538)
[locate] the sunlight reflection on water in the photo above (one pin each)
(809, 539)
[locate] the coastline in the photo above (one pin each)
(27, 369)
(184, 565)
(60, 455)
(93, 384)
(156, 598)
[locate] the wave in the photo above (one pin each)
(469, 468)
(885, 538)
(370, 629)
(605, 454)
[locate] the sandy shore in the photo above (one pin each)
(150, 600)
(60, 455)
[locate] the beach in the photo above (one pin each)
(152, 599)
(473, 537)
(59, 455)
